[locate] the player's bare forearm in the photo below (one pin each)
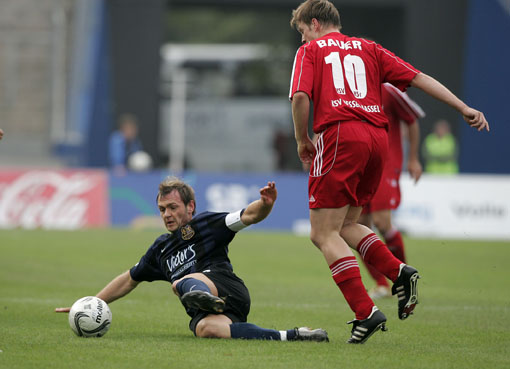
(413, 163)
(414, 140)
(436, 89)
(300, 113)
(117, 288)
(259, 209)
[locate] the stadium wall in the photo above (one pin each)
(486, 83)
(437, 207)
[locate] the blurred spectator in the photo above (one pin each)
(440, 150)
(123, 143)
(280, 148)
(1, 133)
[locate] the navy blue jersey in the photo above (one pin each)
(199, 245)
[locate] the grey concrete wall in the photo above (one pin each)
(26, 54)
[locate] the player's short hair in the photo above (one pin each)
(170, 184)
(322, 10)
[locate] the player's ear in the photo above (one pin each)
(191, 206)
(315, 24)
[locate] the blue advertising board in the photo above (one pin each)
(133, 196)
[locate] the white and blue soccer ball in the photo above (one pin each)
(90, 317)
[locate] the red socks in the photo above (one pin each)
(396, 245)
(379, 278)
(374, 252)
(379, 258)
(346, 275)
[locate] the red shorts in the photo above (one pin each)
(387, 196)
(348, 165)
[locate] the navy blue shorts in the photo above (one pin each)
(230, 288)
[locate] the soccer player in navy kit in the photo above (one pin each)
(194, 258)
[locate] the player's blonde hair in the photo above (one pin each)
(170, 184)
(322, 10)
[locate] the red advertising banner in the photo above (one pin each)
(53, 199)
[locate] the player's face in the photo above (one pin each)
(174, 212)
(308, 31)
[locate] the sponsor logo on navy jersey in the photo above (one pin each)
(182, 260)
(187, 232)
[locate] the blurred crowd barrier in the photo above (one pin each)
(460, 206)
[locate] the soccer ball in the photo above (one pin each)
(139, 161)
(90, 317)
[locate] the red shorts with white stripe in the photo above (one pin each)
(387, 196)
(348, 165)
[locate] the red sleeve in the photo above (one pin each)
(394, 70)
(302, 72)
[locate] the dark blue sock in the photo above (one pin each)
(191, 284)
(252, 332)
(291, 334)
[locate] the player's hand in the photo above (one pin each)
(306, 151)
(475, 119)
(63, 310)
(268, 193)
(415, 169)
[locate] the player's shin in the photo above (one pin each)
(252, 332)
(191, 284)
(346, 274)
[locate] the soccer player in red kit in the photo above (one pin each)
(398, 107)
(342, 75)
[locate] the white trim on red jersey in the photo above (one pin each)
(389, 54)
(300, 70)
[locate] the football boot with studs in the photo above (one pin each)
(363, 329)
(405, 287)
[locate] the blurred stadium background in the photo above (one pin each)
(208, 81)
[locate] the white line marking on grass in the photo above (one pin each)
(291, 305)
(30, 300)
(465, 308)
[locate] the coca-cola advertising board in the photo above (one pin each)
(53, 199)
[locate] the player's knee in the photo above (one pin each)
(365, 220)
(317, 238)
(383, 225)
(207, 329)
(174, 287)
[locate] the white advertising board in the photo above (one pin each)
(460, 206)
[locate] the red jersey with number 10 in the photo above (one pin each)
(342, 75)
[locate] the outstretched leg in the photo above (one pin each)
(221, 326)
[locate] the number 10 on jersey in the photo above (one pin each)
(354, 69)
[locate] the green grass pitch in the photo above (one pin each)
(462, 321)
